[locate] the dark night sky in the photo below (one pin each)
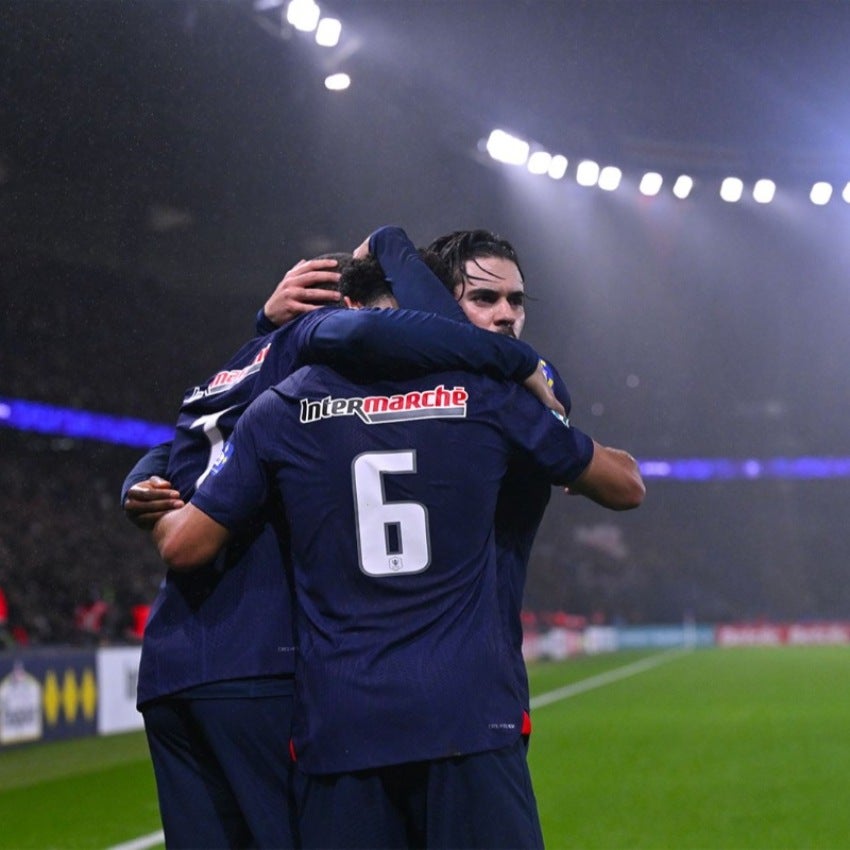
(732, 318)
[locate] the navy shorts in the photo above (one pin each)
(223, 771)
(484, 800)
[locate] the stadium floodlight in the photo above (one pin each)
(846, 193)
(587, 173)
(328, 32)
(504, 147)
(731, 189)
(558, 167)
(650, 184)
(337, 82)
(303, 15)
(539, 162)
(265, 5)
(763, 191)
(683, 186)
(821, 193)
(609, 178)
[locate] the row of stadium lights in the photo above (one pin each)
(306, 16)
(503, 147)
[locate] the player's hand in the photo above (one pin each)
(300, 290)
(538, 384)
(362, 250)
(148, 500)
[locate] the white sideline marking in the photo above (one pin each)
(142, 843)
(605, 678)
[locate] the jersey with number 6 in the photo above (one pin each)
(231, 619)
(389, 492)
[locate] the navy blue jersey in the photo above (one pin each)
(198, 623)
(525, 493)
(389, 493)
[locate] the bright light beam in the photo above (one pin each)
(504, 147)
(587, 173)
(650, 184)
(539, 162)
(337, 82)
(820, 194)
(303, 15)
(731, 189)
(328, 32)
(763, 191)
(609, 178)
(683, 186)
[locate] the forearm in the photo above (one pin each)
(405, 343)
(415, 286)
(187, 538)
(612, 479)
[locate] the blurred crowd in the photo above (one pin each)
(74, 570)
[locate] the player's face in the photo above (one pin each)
(493, 296)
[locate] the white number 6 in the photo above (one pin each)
(392, 537)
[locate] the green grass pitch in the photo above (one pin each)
(740, 749)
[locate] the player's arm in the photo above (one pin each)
(145, 494)
(233, 493)
(396, 344)
(610, 477)
(300, 291)
(187, 538)
(415, 286)
(406, 343)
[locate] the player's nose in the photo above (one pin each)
(504, 315)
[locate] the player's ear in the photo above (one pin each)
(350, 303)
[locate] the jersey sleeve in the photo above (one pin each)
(155, 462)
(238, 486)
(263, 324)
(415, 286)
(560, 450)
(377, 344)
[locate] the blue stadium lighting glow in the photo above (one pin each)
(80, 424)
(67, 422)
(730, 469)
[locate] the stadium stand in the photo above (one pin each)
(72, 569)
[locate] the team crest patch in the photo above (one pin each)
(438, 403)
(223, 457)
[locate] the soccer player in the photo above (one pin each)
(408, 715)
(215, 681)
(486, 287)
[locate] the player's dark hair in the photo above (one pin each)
(460, 246)
(343, 260)
(439, 267)
(364, 281)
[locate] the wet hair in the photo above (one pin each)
(364, 281)
(460, 246)
(439, 267)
